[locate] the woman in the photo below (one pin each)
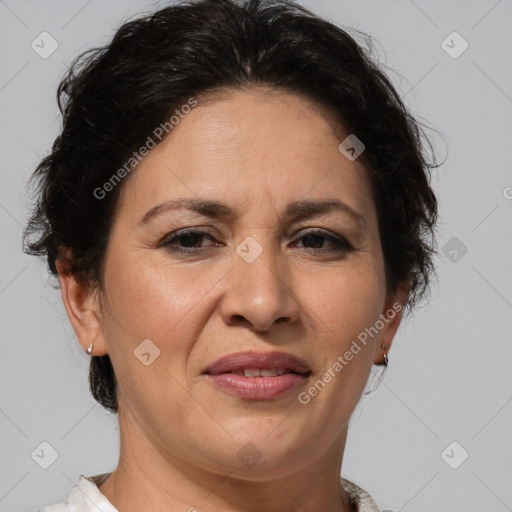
(239, 213)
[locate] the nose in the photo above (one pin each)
(260, 294)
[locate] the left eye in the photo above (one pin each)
(317, 238)
(190, 241)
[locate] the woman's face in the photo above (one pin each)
(259, 272)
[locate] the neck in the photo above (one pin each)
(146, 478)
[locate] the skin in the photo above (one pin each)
(256, 151)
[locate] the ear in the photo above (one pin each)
(391, 317)
(83, 308)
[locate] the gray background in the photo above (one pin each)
(449, 377)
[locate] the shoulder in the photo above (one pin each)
(360, 499)
(84, 497)
(58, 507)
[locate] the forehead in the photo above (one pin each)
(251, 146)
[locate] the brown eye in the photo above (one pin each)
(186, 240)
(316, 239)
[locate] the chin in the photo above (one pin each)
(264, 468)
(255, 456)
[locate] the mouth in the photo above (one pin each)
(254, 364)
(258, 376)
(262, 372)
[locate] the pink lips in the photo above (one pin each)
(258, 376)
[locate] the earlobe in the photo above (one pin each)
(82, 307)
(390, 318)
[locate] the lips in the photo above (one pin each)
(254, 364)
(256, 376)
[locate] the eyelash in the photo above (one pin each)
(341, 244)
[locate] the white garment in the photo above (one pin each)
(86, 497)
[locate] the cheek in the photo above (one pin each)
(152, 297)
(346, 301)
(149, 299)
(345, 305)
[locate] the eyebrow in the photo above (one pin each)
(297, 210)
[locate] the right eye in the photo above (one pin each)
(188, 238)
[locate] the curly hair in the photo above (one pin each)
(113, 97)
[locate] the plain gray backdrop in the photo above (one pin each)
(449, 379)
